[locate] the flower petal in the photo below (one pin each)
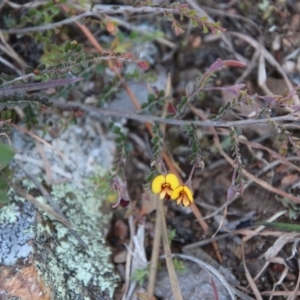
(189, 193)
(162, 195)
(179, 199)
(157, 183)
(186, 201)
(176, 193)
(172, 180)
(169, 190)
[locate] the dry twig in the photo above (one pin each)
(95, 111)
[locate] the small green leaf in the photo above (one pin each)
(3, 197)
(151, 98)
(171, 235)
(55, 10)
(134, 34)
(184, 99)
(140, 275)
(44, 77)
(194, 22)
(204, 19)
(67, 46)
(116, 130)
(6, 155)
(144, 105)
(111, 125)
(49, 4)
(155, 139)
(179, 266)
(84, 63)
(119, 140)
(128, 147)
(192, 13)
(8, 114)
(78, 48)
(80, 58)
(161, 93)
(76, 69)
(212, 116)
(41, 67)
(205, 29)
(32, 12)
(175, 4)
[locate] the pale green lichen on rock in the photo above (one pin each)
(16, 230)
(74, 272)
(8, 214)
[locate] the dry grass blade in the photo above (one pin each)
(11, 52)
(128, 258)
(296, 289)
(46, 163)
(168, 254)
(53, 205)
(155, 253)
(10, 65)
(30, 4)
(40, 205)
(279, 293)
(139, 261)
(262, 73)
(248, 275)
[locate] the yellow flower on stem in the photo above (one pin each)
(164, 185)
(183, 195)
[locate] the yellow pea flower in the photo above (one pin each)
(183, 195)
(164, 185)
